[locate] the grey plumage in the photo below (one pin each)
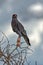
(19, 29)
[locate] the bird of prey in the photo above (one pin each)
(19, 29)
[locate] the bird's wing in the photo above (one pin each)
(21, 28)
(23, 32)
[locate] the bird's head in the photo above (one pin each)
(14, 16)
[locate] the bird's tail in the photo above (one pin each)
(27, 39)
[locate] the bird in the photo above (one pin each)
(19, 29)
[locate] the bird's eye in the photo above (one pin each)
(14, 16)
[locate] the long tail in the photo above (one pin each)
(26, 39)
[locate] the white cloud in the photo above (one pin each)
(35, 38)
(40, 26)
(36, 8)
(9, 31)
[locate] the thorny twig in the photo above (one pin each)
(17, 56)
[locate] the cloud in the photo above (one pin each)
(9, 31)
(0, 11)
(2, 2)
(42, 47)
(35, 38)
(36, 8)
(9, 8)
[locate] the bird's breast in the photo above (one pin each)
(13, 23)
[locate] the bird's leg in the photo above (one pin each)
(18, 41)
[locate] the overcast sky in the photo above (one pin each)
(30, 14)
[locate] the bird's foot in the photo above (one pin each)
(18, 42)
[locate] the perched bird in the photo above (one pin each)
(19, 29)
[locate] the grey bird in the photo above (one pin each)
(19, 29)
